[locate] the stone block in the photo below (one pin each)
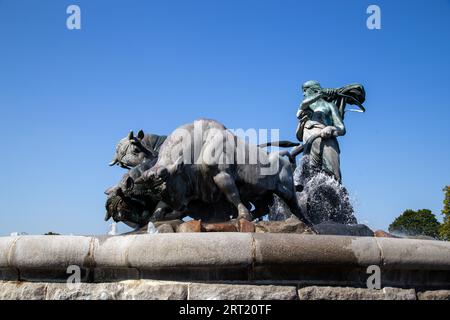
(339, 293)
(190, 226)
(6, 244)
(434, 295)
(350, 293)
(15, 290)
(246, 226)
(184, 250)
(210, 291)
(399, 294)
(219, 227)
(165, 228)
(51, 252)
(404, 254)
(84, 291)
(111, 252)
(295, 249)
(287, 226)
(154, 290)
(172, 223)
(339, 229)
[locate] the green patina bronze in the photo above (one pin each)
(321, 116)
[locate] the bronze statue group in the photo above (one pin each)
(169, 177)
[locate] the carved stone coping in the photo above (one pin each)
(224, 257)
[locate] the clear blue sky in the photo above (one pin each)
(66, 97)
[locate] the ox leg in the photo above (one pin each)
(290, 198)
(226, 184)
(164, 212)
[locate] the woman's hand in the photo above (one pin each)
(327, 132)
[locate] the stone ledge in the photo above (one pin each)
(208, 291)
(247, 257)
(169, 290)
(348, 293)
(434, 295)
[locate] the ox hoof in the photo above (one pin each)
(243, 213)
(246, 216)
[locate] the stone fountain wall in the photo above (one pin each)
(228, 265)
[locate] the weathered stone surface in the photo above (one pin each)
(164, 290)
(190, 226)
(282, 249)
(219, 227)
(365, 250)
(6, 272)
(246, 226)
(112, 251)
(288, 226)
(199, 291)
(399, 294)
(84, 291)
(213, 256)
(313, 259)
(434, 295)
(15, 290)
(154, 290)
(348, 293)
(126, 290)
(339, 293)
(6, 244)
(165, 228)
(338, 229)
(57, 252)
(184, 250)
(415, 254)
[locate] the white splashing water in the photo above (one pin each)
(112, 229)
(151, 229)
(322, 199)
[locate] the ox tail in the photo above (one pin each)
(311, 139)
(282, 144)
(309, 142)
(298, 147)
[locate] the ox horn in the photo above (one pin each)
(114, 161)
(175, 166)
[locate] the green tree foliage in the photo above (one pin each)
(444, 230)
(415, 223)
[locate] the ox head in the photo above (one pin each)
(122, 208)
(170, 183)
(131, 151)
